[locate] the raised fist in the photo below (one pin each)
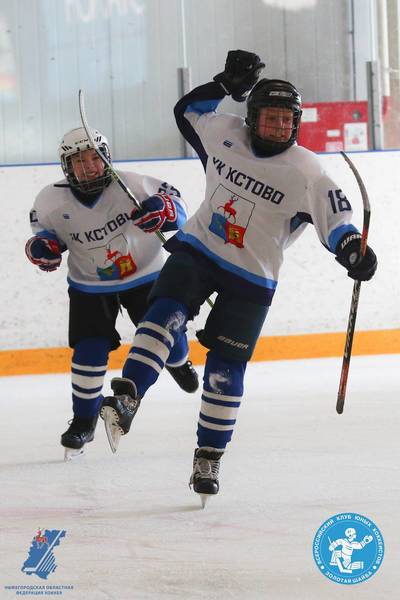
(367, 539)
(241, 73)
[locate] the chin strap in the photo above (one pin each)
(273, 150)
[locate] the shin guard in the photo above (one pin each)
(220, 401)
(161, 328)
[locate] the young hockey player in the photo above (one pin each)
(113, 260)
(261, 191)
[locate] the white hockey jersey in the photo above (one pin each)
(107, 253)
(255, 207)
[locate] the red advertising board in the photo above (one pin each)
(334, 126)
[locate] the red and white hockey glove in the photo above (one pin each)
(44, 253)
(158, 211)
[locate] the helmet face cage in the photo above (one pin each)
(274, 93)
(73, 143)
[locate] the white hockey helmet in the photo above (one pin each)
(350, 533)
(76, 141)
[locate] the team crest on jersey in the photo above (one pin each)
(231, 216)
(113, 261)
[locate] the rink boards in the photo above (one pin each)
(322, 345)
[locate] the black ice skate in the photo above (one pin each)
(79, 433)
(185, 376)
(118, 411)
(204, 478)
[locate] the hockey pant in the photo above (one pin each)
(160, 339)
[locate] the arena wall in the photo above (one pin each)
(309, 314)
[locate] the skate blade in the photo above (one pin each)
(113, 430)
(73, 453)
(204, 498)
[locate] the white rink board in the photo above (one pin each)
(313, 294)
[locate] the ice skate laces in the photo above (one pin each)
(128, 402)
(206, 468)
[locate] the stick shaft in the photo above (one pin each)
(108, 164)
(348, 347)
(356, 293)
(114, 173)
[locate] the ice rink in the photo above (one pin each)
(134, 530)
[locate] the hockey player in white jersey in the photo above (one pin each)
(113, 259)
(261, 191)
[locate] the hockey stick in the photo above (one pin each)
(356, 292)
(107, 163)
(113, 172)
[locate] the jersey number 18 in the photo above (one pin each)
(339, 201)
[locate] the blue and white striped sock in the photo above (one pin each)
(155, 337)
(179, 352)
(89, 366)
(220, 400)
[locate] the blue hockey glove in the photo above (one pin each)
(154, 212)
(44, 253)
(348, 254)
(242, 70)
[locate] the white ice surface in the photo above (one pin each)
(136, 531)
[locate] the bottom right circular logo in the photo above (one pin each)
(348, 548)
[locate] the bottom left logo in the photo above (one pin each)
(41, 561)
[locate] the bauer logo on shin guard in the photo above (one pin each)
(348, 548)
(233, 343)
